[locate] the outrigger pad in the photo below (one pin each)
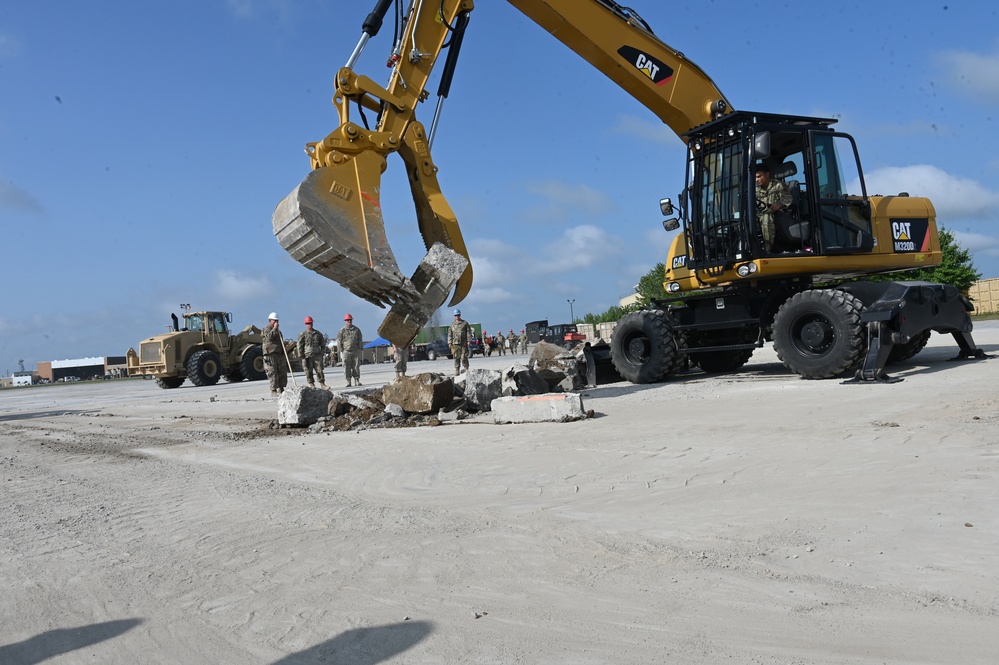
(433, 280)
(338, 232)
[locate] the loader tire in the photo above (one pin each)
(902, 352)
(642, 348)
(169, 381)
(818, 334)
(716, 362)
(251, 365)
(204, 368)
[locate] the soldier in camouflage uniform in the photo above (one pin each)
(311, 349)
(772, 196)
(275, 362)
(512, 340)
(523, 341)
(500, 343)
(459, 336)
(350, 342)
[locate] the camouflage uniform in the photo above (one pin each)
(501, 343)
(311, 349)
(512, 339)
(523, 342)
(401, 361)
(350, 341)
(459, 334)
(275, 363)
(775, 192)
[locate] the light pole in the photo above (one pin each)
(572, 319)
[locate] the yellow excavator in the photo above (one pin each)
(733, 286)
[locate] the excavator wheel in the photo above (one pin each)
(818, 334)
(902, 352)
(169, 381)
(204, 368)
(642, 347)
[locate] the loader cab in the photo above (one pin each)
(829, 212)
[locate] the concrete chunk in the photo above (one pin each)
(301, 405)
(482, 386)
(423, 393)
(547, 408)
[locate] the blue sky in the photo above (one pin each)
(143, 147)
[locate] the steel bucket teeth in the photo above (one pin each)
(331, 228)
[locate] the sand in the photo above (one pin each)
(753, 517)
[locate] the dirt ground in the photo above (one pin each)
(747, 518)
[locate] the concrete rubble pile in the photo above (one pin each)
(521, 394)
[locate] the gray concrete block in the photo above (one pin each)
(547, 408)
(301, 405)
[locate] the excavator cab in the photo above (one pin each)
(831, 229)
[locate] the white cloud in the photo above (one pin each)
(973, 72)
(978, 243)
(232, 286)
(646, 130)
(579, 248)
(15, 198)
(952, 196)
(563, 201)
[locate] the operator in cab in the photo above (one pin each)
(772, 197)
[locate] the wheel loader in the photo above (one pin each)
(203, 350)
(733, 287)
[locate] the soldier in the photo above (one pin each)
(772, 197)
(523, 341)
(311, 347)
(500, 343)
(275, 362)
(349, 342)
(459, 336)
(401, 356)
(511, 338)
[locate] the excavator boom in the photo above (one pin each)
(332, 222)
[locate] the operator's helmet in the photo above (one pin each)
(348, 317)
(272, 316)
(511, 329)
(308, 319)
(521, 330)
(457, 312)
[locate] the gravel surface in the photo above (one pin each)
(752, 517)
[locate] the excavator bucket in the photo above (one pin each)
(332, 225)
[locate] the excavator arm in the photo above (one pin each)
(332, 222)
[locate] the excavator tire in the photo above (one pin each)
(169, 381)
(818, 334)
(252, 364)
(716, 362)
(902, 352)
(642, 347)
(204, 368)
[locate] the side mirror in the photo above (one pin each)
(761, 145)
(671, 224)
(228, 317)
(666, 206)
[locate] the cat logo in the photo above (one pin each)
(679, 261)
(655, 69)
(909, 235)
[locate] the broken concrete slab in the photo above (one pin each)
(433, 280)
(423, 393)
(561, 368)
(481, 387)
(302, 406)
(550, 407)
(522, 380)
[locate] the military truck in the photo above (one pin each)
(431, 343)
(203, 350)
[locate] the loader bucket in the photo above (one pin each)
(333, 227)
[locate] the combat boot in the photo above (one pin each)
(311, 385)
(323, 386)
(348, 383)
(274, 393)
(357, 382)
